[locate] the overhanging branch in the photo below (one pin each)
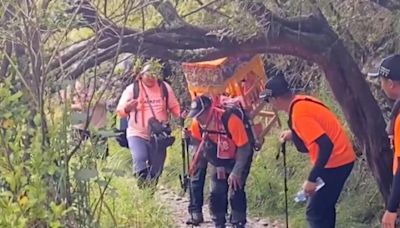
(388, 4)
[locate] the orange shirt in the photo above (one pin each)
(310, 121)
(235, 126)
(396, 143)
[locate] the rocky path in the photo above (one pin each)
(178, 207)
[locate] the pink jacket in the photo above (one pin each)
(139, 127)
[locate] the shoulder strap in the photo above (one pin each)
(225, 120)
(135, 88)
(227, 114)
(164, 91)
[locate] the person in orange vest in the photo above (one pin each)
(230, 154)
(314, 130)
(389, 74)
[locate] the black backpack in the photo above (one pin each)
(123, 126)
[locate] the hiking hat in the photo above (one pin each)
(389, 68)
(199, 105)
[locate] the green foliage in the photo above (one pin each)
(25, 198)
(127, 205)
(48, 179)
(40, 187)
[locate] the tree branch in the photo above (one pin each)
(388, 4)
(346, 80)
(170, 15)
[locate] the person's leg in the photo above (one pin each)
(238, 200)
(157, 157)
(139, 151)
(197, 182)
(321, 208)
(218, 198)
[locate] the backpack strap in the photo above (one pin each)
(164, 91)
(225, 118)
(136, 91)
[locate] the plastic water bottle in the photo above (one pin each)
(301, 195)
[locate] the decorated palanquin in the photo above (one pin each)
(234, 79)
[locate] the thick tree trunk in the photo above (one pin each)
(362, 113)
(323, 46)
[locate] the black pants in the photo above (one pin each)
(197, 187)
(219, 197)
(321, 208)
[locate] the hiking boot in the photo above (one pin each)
(195, 219)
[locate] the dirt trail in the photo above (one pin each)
(178, 208)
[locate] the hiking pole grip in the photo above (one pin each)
(283, 147)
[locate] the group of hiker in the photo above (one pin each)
(220, 142)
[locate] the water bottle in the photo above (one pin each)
(301, 196)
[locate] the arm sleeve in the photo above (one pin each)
(394, 198)
(242, 157)
(125, 97)
(240, 139)
(325, 150)
(237, 131)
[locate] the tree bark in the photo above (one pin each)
(388, 4)
(348, 85)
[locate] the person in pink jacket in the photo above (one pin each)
(148, 155)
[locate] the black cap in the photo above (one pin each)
(199, 105)
(276, 86)
(389, 68)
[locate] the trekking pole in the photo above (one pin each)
(183, 177)
(188, 182)
(283, 151)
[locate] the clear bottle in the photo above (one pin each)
(301, 196)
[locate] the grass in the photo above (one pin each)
(129, 206)
(126, 206)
